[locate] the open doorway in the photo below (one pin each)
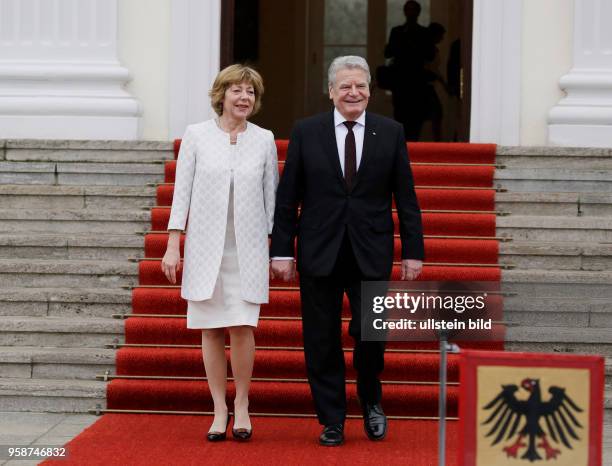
(292, 44)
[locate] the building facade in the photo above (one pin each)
(540, 71)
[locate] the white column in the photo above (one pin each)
(584, 117)
(195, 46)
(496, 72)
(59, 73)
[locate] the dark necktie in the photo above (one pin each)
(350, 154)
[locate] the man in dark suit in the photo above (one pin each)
(342, 169)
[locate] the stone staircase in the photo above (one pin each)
(70, 218)
(561, 228)
(71, 213)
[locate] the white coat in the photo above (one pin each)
(201, 194)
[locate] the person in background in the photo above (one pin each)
(435, 79)
(410, 48)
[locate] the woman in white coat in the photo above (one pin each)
(224, 192)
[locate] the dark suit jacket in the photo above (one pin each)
(313, 179)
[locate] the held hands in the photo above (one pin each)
(283, 269)
(411, 269)
(171, 264)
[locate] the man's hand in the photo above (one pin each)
(411, 269)
(283, 269)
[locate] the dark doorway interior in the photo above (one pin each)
(292, 44)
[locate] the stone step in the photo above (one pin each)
(81, 173)
(555, 228)
(136, 197)
(558, 283)
(51, 396)
(556, 311)
(38, 362)
(98, 302)
(555, 204)
(560, 304)
(85, 363)
(79, 363)
(136, 151)
(94, 273)
(560, 340)
(41, 150)
(65, 302)
(557, 255)
(578, 158)
(91, 221)
(61, 332)
(553, 180)
(20, 196)
(106, 247)
(67, 273)
(78, 396)
(97, 332)
(522, 254)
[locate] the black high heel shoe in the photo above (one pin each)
(218, 436)
(242, 434)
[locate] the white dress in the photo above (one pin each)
(225, 308)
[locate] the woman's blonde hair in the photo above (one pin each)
(235, 74)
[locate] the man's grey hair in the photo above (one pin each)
(346, 62)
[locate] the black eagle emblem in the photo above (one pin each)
(511, 416)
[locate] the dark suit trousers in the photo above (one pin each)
(322, 328)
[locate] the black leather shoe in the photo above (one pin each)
(374, 421)
(218, 436)
(332, 435)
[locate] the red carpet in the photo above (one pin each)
(428, 175)
(475, 251)
(180, 362)
(434, 224)
(161, 367)
(429, 199)
(152, 440)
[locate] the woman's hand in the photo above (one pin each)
(171, 263)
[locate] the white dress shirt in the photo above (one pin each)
(341, 132)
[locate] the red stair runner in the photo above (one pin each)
(459, 246)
